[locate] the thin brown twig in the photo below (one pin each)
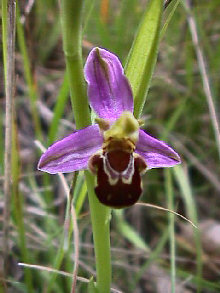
(166, 210)
(10, 90)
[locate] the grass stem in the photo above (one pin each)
(71, 18)
(10, 90)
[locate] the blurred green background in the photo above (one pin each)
(180, 109)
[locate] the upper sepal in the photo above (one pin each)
(109, 91)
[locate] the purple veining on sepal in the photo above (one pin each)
(156, 153)
(73, 152)
(109, 91)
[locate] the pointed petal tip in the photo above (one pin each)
(172, 155)
(44, 167)
(176, 157)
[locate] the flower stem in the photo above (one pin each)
(71, 18)
(100, 216)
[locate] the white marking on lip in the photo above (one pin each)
(113, 175)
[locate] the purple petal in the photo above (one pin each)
(73, 152)
(109, 91)
(156, 153)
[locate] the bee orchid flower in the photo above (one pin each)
(115, 149)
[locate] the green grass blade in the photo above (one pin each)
(128, 232)
(170, 200)
(173, 119)
(91, 286)
(170, 12)
(81, 198)
(59, 109)
(52, 40)
(154, 254)
(187, 194)
(143, 54)
(209, 285)
(18, 209)
(32, 93)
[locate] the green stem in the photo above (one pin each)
(100, 216)
(71, 18)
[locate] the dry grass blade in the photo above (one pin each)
(166, 210)
(10, 89)
(76, 245)
(27, 10)
(51, 270)
(207, 173)
(203, 71)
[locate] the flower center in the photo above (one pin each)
(125, 127)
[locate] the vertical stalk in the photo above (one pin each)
(170, 201)
(18, 206)
(100, 216)
(71, 18)
(4, 34)
(9, 88)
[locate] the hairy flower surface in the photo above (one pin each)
(115, 149)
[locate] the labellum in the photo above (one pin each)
(117, 167)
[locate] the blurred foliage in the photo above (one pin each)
(176, 111)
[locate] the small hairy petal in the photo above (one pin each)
(109, 91)
(156, 153)
(73, 152)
